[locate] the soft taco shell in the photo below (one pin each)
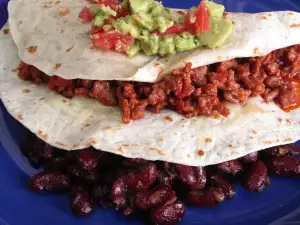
(53, 30)
(81, 122)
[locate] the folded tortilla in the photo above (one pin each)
(53, 30)
(80, 122)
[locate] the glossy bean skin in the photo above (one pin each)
(168, 214)
(207, 198)
(158, 195)
(50, 181)
(219, 181)
(255, 176)
(232, 167)
(284, 166)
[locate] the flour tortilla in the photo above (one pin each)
(61, 39)
(81, 122)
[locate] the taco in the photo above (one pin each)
(183, 88)
(215, 112)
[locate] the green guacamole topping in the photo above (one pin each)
(156, 31)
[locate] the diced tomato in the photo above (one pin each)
(122, 12)
(86, 15)
(112, 40)
(175, 29)
(202, 22)
(56, 81)
(96, 30)
(198, 21)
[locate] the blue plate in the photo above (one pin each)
(278, 204)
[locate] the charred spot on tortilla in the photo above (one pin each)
(264, 17)
(188, 155)
(76, 145)
(26, 91)
(208, 140)
(288, 139)
(57, 2)
(256, 51)
(135, 145)
(229, 145)
(290, 13)
(20, 22)
(267, 142)
(161, 139)
(251, 137)
(65, 101)
(288, 121)
(20, 116)
(32, 49)
(93, 141)
(46, 6)
(60, 144)
(69, 49)
(42, 134)
(63, 11)
(125, 145)
(120, 149)
(168, 118)
(57, 65)
(200, 152)
(87, 125)
(219, 57)
(254, 132)
(279, 120)
(158, 151)
(295, 25)
(6, 31)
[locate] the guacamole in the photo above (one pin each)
(146, 26)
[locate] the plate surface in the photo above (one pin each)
(277, 205)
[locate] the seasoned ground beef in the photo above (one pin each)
(192, 92)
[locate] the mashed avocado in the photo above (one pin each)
(155, 31)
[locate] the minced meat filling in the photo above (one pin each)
(192, 92)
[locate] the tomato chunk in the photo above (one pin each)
(112, 40)
(86, 15)
(175, 29)
(198, 21)
(202, 23)
(122, 12)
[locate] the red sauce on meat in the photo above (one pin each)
(192, 92)
(296, 104)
